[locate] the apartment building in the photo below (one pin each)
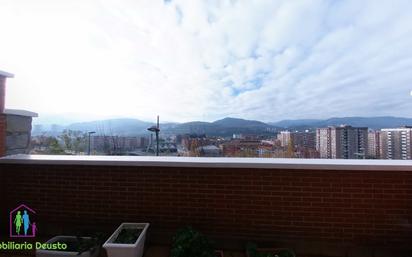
(396, 143)
(298, 139)
(374, 145)
(284, 138)
(343, 142)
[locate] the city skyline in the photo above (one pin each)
(186, 60)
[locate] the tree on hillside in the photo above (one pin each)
(290, 152)
(74, 141)
(54, 147)
(66, 136)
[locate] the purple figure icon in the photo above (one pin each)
(34, 228)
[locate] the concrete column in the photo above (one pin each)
(3, 128)
(2, 93)
(3, 123)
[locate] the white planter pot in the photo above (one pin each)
(126, 250)
(54, 253)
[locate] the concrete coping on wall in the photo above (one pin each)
(6, 74)
(211, 162)
(20, 113)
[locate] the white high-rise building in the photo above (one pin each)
(396, 143)
(374, 145)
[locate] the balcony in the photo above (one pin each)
(317, 207)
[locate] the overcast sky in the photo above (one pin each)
(205, 60)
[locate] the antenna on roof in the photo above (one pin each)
(156, 129)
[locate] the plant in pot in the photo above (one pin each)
(253, 251)
(127, 240)
(188, 243)
(74, 246)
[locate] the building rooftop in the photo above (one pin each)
(209, 147)
(6, 74)
(403, 128)
(20, 113)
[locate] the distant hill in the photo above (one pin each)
(194, 127)
(125, 127)
(113, 126)
(224, 127)
(370, 122)
(129, 127)
(295, 123)
(235, 122)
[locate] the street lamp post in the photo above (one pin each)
(90, 132)
(156, 129)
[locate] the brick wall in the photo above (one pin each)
(355, 207)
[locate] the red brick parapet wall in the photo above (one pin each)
(336, 206)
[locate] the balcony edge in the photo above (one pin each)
(210, 162)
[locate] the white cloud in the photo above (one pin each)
(191, 60)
